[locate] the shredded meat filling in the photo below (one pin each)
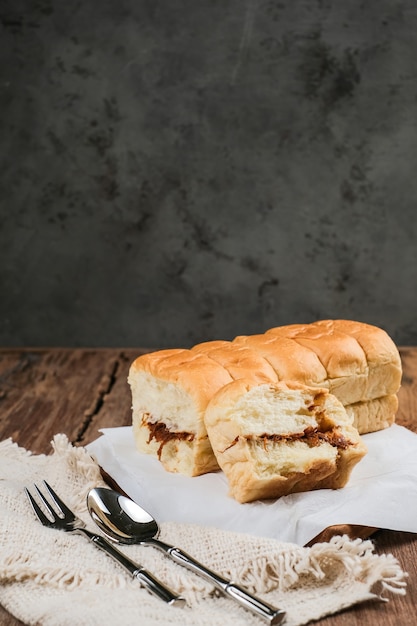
(162, 434)
(312, 436)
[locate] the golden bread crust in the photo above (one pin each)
(240, 361)
(339, 353)
(361, 361)
(290, 360)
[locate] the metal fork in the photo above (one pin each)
(64, 519)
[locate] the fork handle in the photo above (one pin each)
(151, 583)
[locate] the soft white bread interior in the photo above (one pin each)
(170, 393)
(273, 439)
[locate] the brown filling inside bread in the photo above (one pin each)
(161, 434)
(311, 436)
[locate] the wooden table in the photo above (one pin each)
(78, 391)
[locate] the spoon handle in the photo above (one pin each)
(273, 615)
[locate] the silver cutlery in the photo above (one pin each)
(60, 517)
(122, 520)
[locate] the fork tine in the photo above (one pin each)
(37, 510)
(47, 504)
(69, 515)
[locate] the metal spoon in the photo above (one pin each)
(124, 521)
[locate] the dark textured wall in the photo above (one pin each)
(175, 171)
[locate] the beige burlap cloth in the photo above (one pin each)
(54, 578)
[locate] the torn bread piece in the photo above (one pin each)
(278, 438)
(170, 393)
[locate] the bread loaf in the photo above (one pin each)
(361, 361)
(273, 439)
(356, 363)
(170, 393)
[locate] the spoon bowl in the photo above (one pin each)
(119, 517)
(122, 520)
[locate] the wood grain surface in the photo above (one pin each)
(78, 391)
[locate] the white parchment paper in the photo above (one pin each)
(382, 491)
